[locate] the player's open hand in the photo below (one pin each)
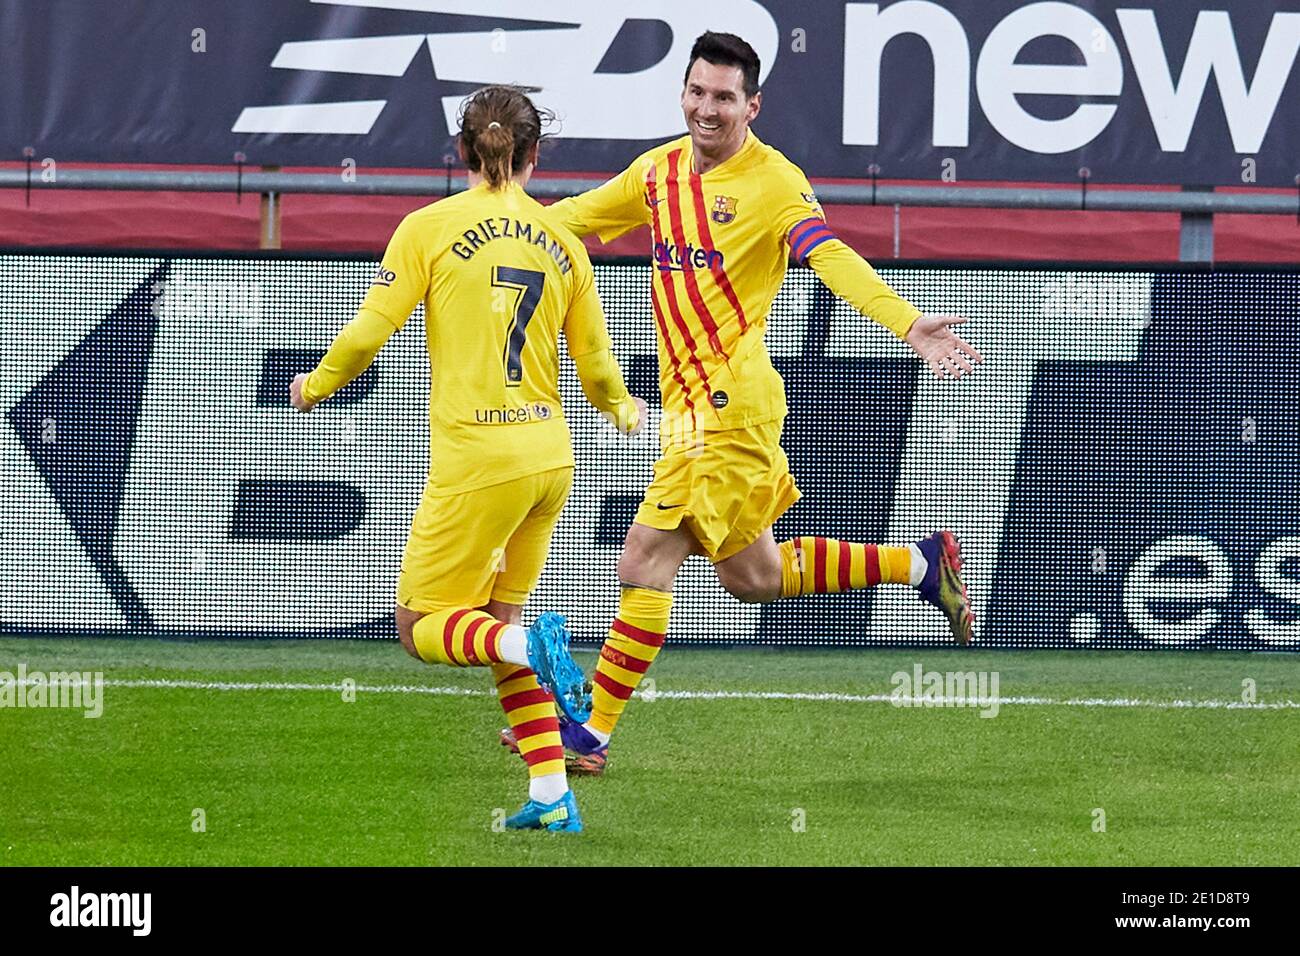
(295, 393)
(939, 347)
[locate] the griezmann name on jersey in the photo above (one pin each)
(499, 276)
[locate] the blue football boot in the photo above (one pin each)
(556, 670)
(559, 817)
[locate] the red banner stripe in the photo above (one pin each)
(873, 565)
(542, 754)
(819, 565)
(525, 698)
(846, 556)
(719, 271)
(531, 728)
(611, 686)
(640, 635)
(676, 218)
(449, 632)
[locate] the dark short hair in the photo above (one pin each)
(726, 49)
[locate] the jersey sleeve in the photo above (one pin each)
(398, 287)
(402, 281)
(853, 279)
(611, 209)
(586, 337)
(585, 330)
(796, 213)
(812, 242)
(351, 353)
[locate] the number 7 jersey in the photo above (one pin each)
(500, 277)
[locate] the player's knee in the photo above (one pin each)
(650, 560)
(406, 631)
(407, 637)
(637, 568)
(750, 585)
(628, 566)
(753, 592)
(408, 643)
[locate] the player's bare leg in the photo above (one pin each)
(753, 575)
(651, 558)
(765, 571)
(406, 619)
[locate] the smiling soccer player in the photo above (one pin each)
(726, 212)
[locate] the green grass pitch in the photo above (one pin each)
(299, 775)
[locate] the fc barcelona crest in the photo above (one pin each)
(724, 209)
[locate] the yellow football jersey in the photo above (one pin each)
(721, 241)
(499, 276)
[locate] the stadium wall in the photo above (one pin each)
(340, 224)
(1123, 471)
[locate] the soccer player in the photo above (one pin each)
(726, 211)
(499, 276)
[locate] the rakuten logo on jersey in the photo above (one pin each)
(670, 257)
(1173, 102)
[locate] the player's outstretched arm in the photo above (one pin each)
(853, 279)
(609, 210)
(354, 348)
(401, 283)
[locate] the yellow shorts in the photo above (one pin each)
(489, 543)
(726, 492)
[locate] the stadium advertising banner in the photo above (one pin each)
(1124, 471)
(1153, 91)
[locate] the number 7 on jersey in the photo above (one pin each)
(528, 284)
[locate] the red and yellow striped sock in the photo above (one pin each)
(634, 641)
(531, 713)
(824, 566)
(460, 637)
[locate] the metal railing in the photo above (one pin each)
(1196, 205)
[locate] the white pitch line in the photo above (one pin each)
(942, 701)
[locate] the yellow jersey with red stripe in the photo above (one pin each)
(499, 276)
(720, 244)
